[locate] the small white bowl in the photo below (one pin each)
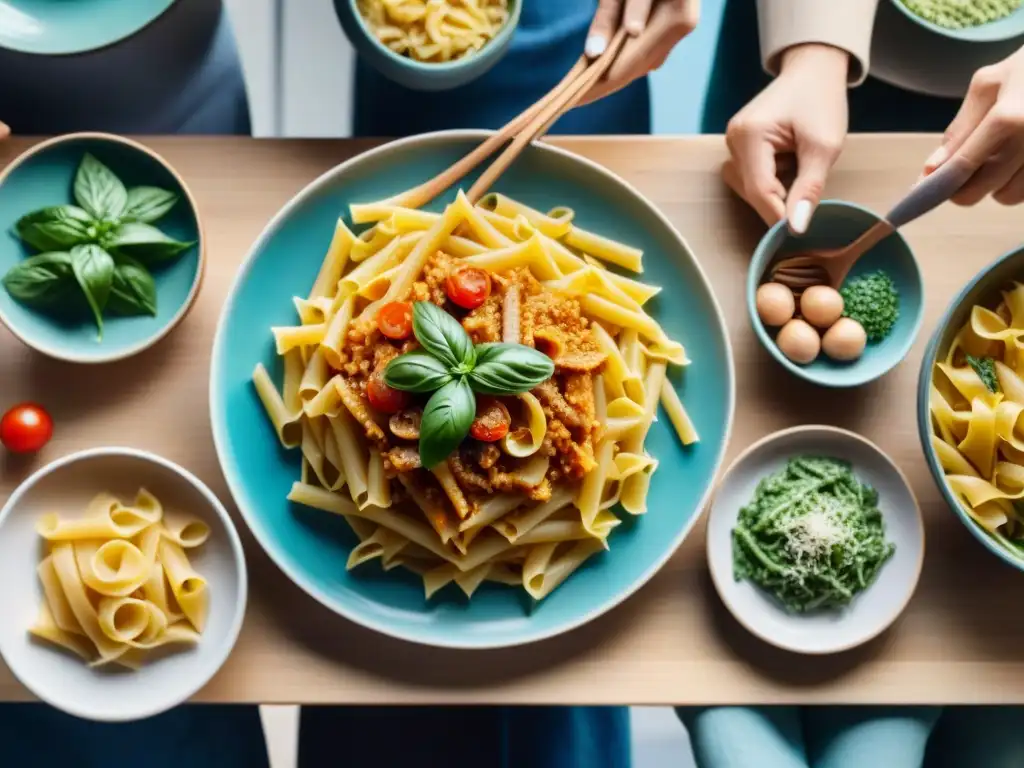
(107, 693)
(872, 611)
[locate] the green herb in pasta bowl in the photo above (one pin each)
(815, 540)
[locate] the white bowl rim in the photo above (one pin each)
(238, 554)
(197, 281)
(267, 542)
(840, 434)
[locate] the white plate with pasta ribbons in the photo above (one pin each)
(370, 412)
(815, 540)
(125, 584)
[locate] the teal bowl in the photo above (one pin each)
(46, 27)
(311, 547)
(1006, 28)
(419, 75)
(983, 289)
(836, 223)
(42, 177)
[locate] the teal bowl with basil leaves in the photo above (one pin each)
(312, 546)
(101, 250)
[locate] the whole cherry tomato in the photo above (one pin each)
(468, 287)
(492, 420)
(384, 398)
(395, 320)
(26, 428)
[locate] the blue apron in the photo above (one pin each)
(547, 42)
(180, 74)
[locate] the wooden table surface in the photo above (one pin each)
(960, 640)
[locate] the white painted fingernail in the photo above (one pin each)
(936, 158)
(596, 45)
(801, 216)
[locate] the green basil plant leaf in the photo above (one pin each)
(509, 369)
(446, 421)
(94, 270)
(147, 204)
(132, 289)
(98, 190)
(442, 336)
(56, 228)
(416, 372)
(42, 280)
(144, 242)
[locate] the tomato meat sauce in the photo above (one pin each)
(492, 420)
(468, 287)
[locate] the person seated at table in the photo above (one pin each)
(817, 50)
(45, 95)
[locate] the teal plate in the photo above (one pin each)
(311, 546)
(837, 223)
(43, 176)
(60, 27)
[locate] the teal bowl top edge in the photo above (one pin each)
(220, 437)
(756, 272)
(118, 353)
(1006, 28)
(441, 67)
(974, 290)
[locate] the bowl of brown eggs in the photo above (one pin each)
(839, 336)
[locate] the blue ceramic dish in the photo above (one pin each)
(57, 28)
(419, 75)
(835, 224)
(311, 547)
(1004, 29)
(42, 177)
(984, 290)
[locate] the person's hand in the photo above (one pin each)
(987, 135)
(4, 131)
(803, 112)
(654, 28)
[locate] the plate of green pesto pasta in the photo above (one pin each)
(815, 540)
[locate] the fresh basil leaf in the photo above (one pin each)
(94, 270)
(509, 369)
(98, 190)
(416, 372)
(147, 204)
(132, 289)
(42, 280)
(57, 227)
(442, 336)
(446, 421)
(144, 242)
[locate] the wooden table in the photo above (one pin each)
(960, 640)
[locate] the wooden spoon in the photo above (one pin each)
(830, 267)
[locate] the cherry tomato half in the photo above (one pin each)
(383, 398)
(395, 320)
(492, 420)
(25, 428)
(468, 287)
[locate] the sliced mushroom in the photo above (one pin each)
(405, 425)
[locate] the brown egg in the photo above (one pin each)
(799, 341)
(845, 340)
(821, 305)
(775, 304)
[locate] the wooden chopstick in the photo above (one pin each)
(548, 114)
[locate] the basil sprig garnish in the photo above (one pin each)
(100, 249)
(451, 367)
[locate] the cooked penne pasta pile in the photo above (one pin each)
(472, 389)
(977, 407)
(117, 583)
(434, 30)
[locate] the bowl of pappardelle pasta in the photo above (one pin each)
(970, 405)
(125, 584)
(430, 45)
(470, 425)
